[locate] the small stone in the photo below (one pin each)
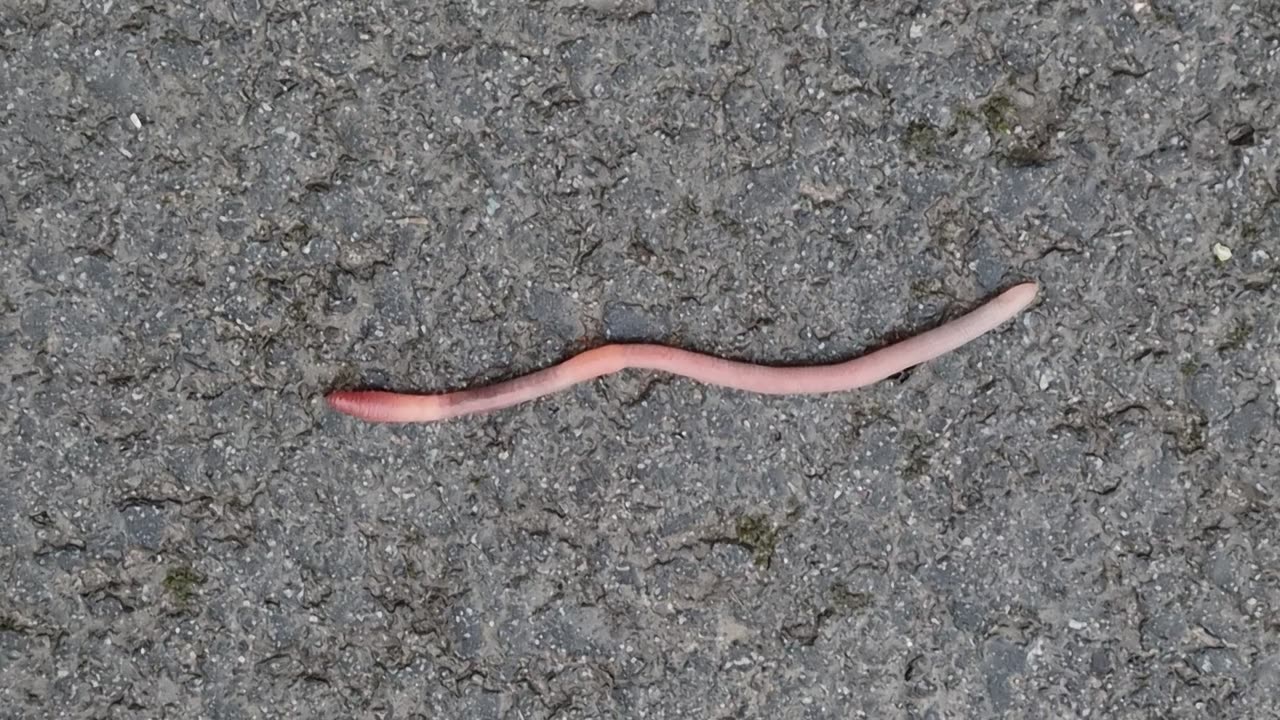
(1222, 252)
(1240, 135)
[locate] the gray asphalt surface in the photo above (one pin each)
(213, 213)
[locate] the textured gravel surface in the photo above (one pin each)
(212, 213)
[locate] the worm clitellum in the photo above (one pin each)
(380, 406)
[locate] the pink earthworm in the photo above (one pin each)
(391, 407)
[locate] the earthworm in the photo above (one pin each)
(391, 407)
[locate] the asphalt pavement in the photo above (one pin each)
(211, 214)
